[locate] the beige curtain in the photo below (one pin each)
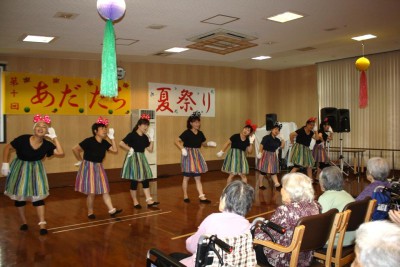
(377, 125)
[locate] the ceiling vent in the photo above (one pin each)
(304, 49)
(221, 41)
(65, 15)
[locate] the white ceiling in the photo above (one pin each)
(82, 36)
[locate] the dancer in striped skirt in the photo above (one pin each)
(91, 178)
(235, 162)
(268, 163)
(136, 168)
(192, 161)
(26, 176)
(319, 151)
(301, 155)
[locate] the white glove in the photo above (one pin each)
(5, 168)
(211, 144)
(150, 134)
(110, 133)
(78, 163)
(252, 138)
(130, 152)
(184, 152)
(51, 133)
(259, 155)
(220, 153)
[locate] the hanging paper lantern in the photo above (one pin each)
(111, 10)
(362, 64)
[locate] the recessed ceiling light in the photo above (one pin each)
(38, 39)
(261, 57)
(285, 17)
(176, 49)
(363, 37)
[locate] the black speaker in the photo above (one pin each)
(271, 119)
(344, 120)
(333, 117)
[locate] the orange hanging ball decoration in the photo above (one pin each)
(362, 64)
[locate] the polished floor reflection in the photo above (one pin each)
(74, 240)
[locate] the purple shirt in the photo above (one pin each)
(369, 190)
(224, 224)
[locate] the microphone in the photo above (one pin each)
(268, 224)
(224, 246)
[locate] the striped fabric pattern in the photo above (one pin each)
(92, 178)
(27, 181)
(136, 167)
(319, 153)
(235, 162)
(301, 155)
(268, 163)
(242, 255)
(194, 161)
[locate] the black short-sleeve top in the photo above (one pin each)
(303, 138)
(190, 139)
(136, 141)
(270, 143)
(237, 142)
(26, 152)
(324, 136)
(94, 151)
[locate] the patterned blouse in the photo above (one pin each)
(287, 217)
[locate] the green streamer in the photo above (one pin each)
(109, 79)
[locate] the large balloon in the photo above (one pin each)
(111, 9)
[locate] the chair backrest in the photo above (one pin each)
(318, 229)
(359, 213)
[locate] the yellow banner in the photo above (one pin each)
(27, 93)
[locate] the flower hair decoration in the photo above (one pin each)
(312, 119)
(278, 125)
(253, 126)
(39, 118)
(196, 114)
(102, 120)
(145, 116)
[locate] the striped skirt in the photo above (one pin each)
(301, 155)
(136, 167)
(193, 162)
(27, 181)
(268, 163)
(91, 178)
(319, 153)
(235, 162)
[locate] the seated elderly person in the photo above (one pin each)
(334, 197)
(236, 200)
(377, 173)
(377, 245)
(298, 201)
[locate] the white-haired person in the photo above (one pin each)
(377, 245)
(334, 196)
(241, 144)
(298, 202)
(26, 176)
(377, 173)
(268, 163)
(193, 163)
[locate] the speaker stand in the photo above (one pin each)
(341, 157)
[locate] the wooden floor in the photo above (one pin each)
(74, 240)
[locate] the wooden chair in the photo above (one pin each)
(361, 211)
(311, 232)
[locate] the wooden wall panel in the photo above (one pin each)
(240, 95)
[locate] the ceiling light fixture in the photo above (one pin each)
(176, 49)
(261, 57)
(285, 17)
(38, 39)
(363, 37)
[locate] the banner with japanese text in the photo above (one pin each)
(181, 100)
(27, 93)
